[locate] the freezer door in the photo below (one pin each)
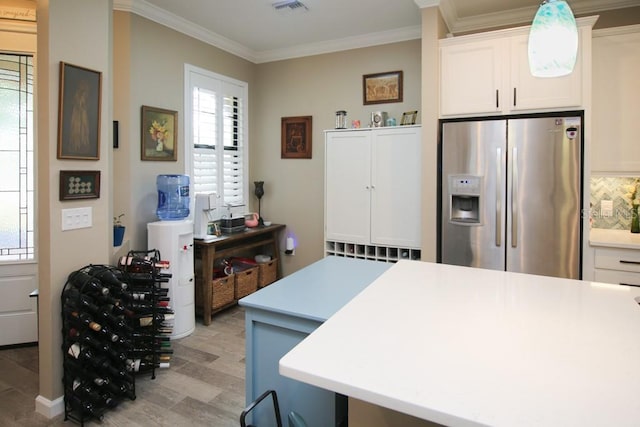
(544, 197)
(475, 148)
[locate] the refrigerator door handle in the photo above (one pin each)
(498, 197)
(514, 199)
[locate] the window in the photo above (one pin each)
(215, 130)
(16, 158)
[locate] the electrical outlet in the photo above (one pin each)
(606, 208)
(76, 218)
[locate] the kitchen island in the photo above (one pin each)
(461, 346)
(281, 315)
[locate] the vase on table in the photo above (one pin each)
(635, 220)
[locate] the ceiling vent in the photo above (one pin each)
(289, 4)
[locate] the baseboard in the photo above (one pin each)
(49, 408)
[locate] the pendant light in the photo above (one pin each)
(553, 40)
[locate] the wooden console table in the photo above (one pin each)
(232, 245)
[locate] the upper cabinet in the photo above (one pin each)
(616, 101)
(488, 74)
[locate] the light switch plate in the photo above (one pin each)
(76, 218)
(606, 208)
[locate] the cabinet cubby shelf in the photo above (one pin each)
(371, 252)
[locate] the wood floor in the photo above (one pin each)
(203, 387)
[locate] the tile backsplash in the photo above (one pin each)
(614, 189)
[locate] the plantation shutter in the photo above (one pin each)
(218, 141)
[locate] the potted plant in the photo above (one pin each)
(118, 230)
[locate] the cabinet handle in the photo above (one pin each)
(629, 284)
(514, 199)
(498, 197)
(497, 99)
(622, 261)
(514, 97)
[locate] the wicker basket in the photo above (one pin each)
(246, 282)
(222, 292)
(268, 273)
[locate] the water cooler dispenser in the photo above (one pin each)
(173, 237)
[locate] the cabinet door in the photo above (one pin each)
(471, 77)
(616, 104)
(530, 93)
(395, 194)
(347, 186)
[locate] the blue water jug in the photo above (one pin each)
(173, 197)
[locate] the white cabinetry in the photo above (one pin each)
(372, 193)
(488, 73)
(616, 104)
(619, 266)
(174, 240)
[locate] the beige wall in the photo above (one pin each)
(63, 25)
(316, 86)
(149, 70)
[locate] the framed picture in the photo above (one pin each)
(159, 134)
(409, 118)
(79, 113)
(79, 185)
(296, 138)
(382, 88)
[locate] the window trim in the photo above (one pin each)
(190, 72)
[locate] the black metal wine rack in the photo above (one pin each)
(95, 342)
(152, 320)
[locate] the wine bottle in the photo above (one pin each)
(105, 315)
(152, 320)
(107, 333)
(144, 365)
(81, 319)
(85, 407)
(156, 294)
(86, 283)
(74, 368)
(120, 388)
(86, 338)
(151, 349)
(107, 276)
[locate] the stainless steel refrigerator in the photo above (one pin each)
(510, 194)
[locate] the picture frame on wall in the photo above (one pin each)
(296, 137)
(382, 88)
(79, 185)
(80, 93)
(159, 134)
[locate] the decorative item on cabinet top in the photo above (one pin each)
(382, 88)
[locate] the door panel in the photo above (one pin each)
(475, 148)
(544, 197)
(347, 186)
(18, 311)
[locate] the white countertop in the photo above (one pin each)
(468, 347)
(614, 238)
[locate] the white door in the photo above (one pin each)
(348, 186)
(396, 195)
(18, 268)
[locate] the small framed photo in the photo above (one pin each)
(409, 118)
(159, 134)
(296, 138)
(382, 88)
(79, 113)
(79, 185)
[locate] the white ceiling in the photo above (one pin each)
(254, 30)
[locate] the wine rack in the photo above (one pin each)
(96, 368)
(152, 319)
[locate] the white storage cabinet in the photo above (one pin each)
(372, 193)
(618, 266)
(174, 240)
(488, 73)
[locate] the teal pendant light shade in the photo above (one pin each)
(553, 40)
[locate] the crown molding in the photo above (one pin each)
(520, 16)
(617, 31)
(366, 40)
(161, 16)
(427, 3)
(19, 26)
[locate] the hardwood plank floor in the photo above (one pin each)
(203, 387)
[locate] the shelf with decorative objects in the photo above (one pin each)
(371, 252)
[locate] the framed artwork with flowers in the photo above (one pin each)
(159, 134)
